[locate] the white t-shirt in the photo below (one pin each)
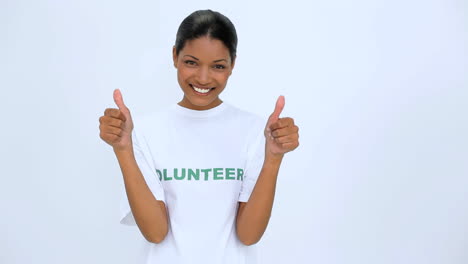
(201, 164)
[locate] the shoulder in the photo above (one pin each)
(252, 125)
(150, 121)
(150, 117)
(248, 118)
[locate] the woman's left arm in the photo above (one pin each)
(252, 217)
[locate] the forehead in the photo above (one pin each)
(206, 48)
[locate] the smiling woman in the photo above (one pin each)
(203, 68)
(200, 177)
(204, 55)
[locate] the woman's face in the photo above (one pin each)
(203, 68)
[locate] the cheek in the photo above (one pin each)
(183, 74)
(182, 79)
(222, 77)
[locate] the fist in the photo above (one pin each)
(282, 135)
(116, 125)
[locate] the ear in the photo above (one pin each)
(174, 56)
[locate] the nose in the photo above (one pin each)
(203, 76)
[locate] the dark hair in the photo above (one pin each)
(207, 23)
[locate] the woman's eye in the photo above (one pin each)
(190, 62)
(219, 66)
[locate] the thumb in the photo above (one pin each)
(119, 100)
(278, 108)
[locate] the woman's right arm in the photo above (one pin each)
(150, 214)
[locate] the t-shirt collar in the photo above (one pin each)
(199, 113)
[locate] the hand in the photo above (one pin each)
(116, 125)
(281, 133)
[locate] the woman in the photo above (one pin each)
(200, 176)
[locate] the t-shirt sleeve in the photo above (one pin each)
(254, 164)
(145, 164)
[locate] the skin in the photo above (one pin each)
(206, 63)
(281, 136)
(150, 214)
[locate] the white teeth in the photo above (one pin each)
(200, 90)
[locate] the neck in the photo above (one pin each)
(187, 104)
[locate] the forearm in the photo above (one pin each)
(150, 214)
(253, 219)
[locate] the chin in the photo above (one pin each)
(201, 102)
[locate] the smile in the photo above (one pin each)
(201, 91)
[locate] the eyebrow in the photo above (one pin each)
(195, 58)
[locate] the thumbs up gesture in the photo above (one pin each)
(116, 125)
(281, 133)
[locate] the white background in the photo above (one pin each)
(379, 90)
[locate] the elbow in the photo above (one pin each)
(159, 230)
(156, 237)
(155, 240)
(248, 240)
